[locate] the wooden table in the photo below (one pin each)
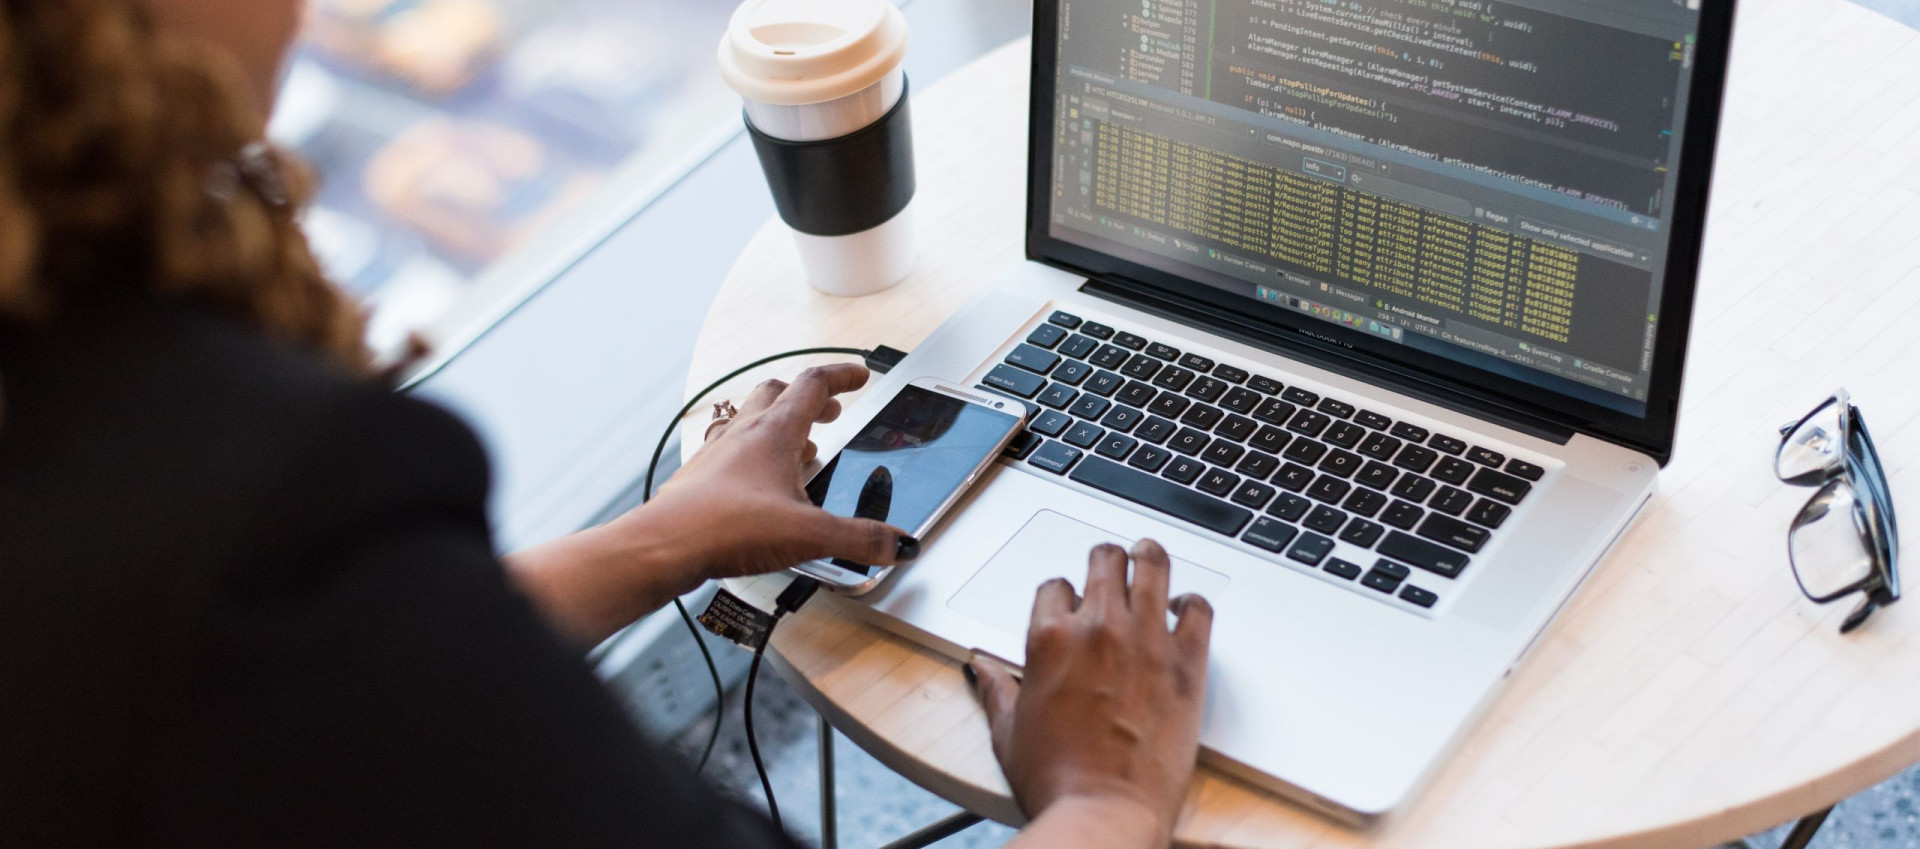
(1687, 696)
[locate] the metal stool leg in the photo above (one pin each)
(829, 823)
(937, 832)
(1804, 830)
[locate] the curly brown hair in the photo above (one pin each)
(114, 139)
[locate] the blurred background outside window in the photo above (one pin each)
(448, 132)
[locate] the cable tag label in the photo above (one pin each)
(735, 620)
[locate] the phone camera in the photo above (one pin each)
(999, 404)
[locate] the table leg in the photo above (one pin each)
(937, 832)
(1804, 830)
(829, 824)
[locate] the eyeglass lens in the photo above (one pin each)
(1817, 444)
(1830, 544)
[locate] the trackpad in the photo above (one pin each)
(1054, 546)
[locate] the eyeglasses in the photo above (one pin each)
(1844, 540)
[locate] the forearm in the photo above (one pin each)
(1076, 823)
(590, 584)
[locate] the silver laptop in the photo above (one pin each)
(1372, 314)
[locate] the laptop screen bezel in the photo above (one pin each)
(1473, 387)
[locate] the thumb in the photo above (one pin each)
(999, 691)
(863, 540)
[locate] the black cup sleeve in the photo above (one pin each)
(837, 186)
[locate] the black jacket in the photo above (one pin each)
(247, 600)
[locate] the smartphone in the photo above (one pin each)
(909, 464)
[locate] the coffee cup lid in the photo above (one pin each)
(792, 52)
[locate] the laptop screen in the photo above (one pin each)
(1492, 183)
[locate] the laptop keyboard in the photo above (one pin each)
(1245, 456)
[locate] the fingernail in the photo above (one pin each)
(973, 678)
(906, 548)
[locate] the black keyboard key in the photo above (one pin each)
(1129, 341)
(1089, 407)
(1488, 513)
(1222, 452)
(1165, 352)
(1072, 372)
(1064, 319)
(1365, 502)
(1202, 416)
(1262, 383)
(1218, 482)
(1310, 549)
(1172, 378)
(1270, 534)
(1336, 409)
(1376, 474)
(1341, 568)
(1197, 363)
(1385, 582)
(1188, 441)
(1184, 469)
(1344, 434)
(1122, 418)
(1410, 432)
(1023, 444)
(1325, 519)
(1485, 457)
(1150, 458)
(1451, 531)
(1236, 428)
(1155, 430)
(1329, 489)
(1380, 446)
(1274, 411)
(1240, 399)
(1388, 567)
(1296, 395)
(1415, 458)
(1078, 346)
(1340, 463)
(1036, 360)
(1271, 439)
(1402, 515)
(1097, 330)
(1498, 486)
(1362, 533)
(1451, 501)
(1055, 457)
(1046, 335)
(1084, 434)
(1006, 378)
(1446, 444)
(1433, 557)
(1253, 494)
(1104, 383)
(1524, 469)
(1417, 596)
(1051, 423)
(1289, 507)
(1116, 446)
(1058, 396)
(1308, 423)
(1169, 405)
(1109, 356)
(1177, 501)
(1207, 389)
(1293, 476)
(1136, 394)
(1141, 367)
(1413, 488)
(1453, 470)
(1373, 420)
(1230, 374)
(1304, 451)
(1257, 465)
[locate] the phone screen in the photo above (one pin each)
(904, 463)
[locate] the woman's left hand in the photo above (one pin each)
(740, 507)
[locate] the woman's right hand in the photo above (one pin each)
(1106, 717)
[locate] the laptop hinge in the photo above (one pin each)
(1224, 323)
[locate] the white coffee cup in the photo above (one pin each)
(826, 103)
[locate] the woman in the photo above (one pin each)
(246, 595)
